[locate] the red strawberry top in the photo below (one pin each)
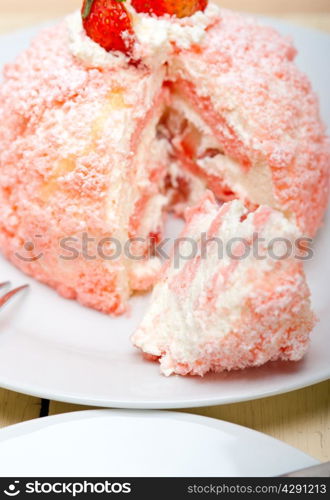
(108, 23)
(178, 8)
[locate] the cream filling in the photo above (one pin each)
(195, 185)
(145, 272)
(152, 219)
(254, 184)
(129, 182)
(155, 37)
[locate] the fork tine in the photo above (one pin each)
(4, 284)
(5, 298)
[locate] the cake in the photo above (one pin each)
(98, 144)
(227, 302)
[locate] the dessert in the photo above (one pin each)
(80, 159)
(115, 117)
(230, 305)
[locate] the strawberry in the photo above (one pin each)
(178, 8)
(108, 23)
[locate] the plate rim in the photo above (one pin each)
(39, 392)
(24, 428)
(157, 405)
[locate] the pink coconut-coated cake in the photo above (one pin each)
(228, 307)
(94, 146)
(71, 138)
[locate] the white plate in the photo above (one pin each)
(120, 443)
(54, 348)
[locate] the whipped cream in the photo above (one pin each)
(201, 302)
(155, 37)
(88, 51)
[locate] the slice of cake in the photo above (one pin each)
(233, 295)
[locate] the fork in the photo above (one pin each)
(5, 298)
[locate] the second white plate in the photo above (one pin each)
(110, 443)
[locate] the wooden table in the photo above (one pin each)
(300, 418)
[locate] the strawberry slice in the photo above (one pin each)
(178, 8)
(108, 23)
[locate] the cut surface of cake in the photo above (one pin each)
(96, 145)
(231, 296)
(250, 121)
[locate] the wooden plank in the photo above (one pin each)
(300, 418)
(277, 6)
(16, 408)
(315, 21)
(56, 407)
(20, 7)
